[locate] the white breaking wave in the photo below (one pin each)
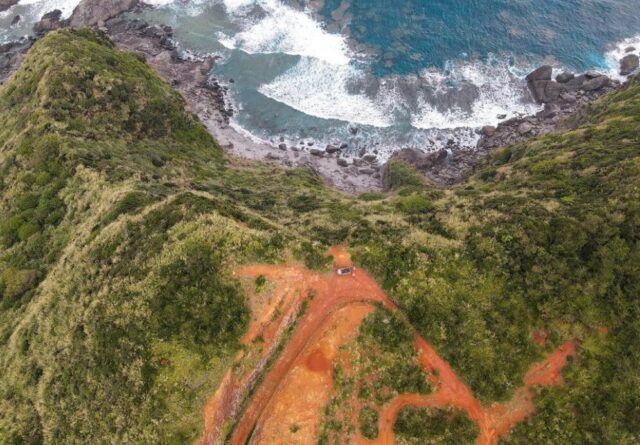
(41, 7)
(318, 84)
(613, 56)
(287, 31)
(319, 89)
(500, 92)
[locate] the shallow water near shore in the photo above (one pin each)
(383, 76)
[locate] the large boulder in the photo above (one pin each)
(542, 73)
(96, 12)
(539, 83)
(565, 77)
(49, 22)
(537, 89)
(629, 64)
(596, 83)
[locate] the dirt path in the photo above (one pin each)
(494, 421)
(285, 407)
(331, 293)
(292, 416)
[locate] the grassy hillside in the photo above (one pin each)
(122, 219)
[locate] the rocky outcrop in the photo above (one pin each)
(6, 4)
(561, 97)
(629, 64)
(568, 95)
(97, 12)
(50, 21)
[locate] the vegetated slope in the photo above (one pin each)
(121, 218)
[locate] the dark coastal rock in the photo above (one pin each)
(282, 146)
(576, 83)
(592, 74)
(552, 91)
(525, 128)
(629, 64)
(6, 4)
(16, 20)
(596, 83)
(488, 130)
(49, 22)
(97, 12)
(315, 152)
(342, 162)
(539, 88)
(331, 149)
(564, 77)
(630, 49)
(540, 74)
(370, 158)
(568, 97)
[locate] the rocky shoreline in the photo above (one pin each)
(207, 97)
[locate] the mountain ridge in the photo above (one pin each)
(119, 313)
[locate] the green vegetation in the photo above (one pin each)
(122, 221)
(382, 364)
(427, 426)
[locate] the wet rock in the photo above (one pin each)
(501, 116)
(342, 162)
(315, 152)
(593, 74)
(97, 12)
(370, 158)
(540, 74)
(331, 149)
(568, 97)
(49, 22)
(282, 146)
(596, 83)
(564, 77)
(488, 130)
(16, 20)
(353, 130)
(525, 128)
(310, 143)
(550, 111)
(168, 43)
(629, 64)
(343, 145)
(552, 91)
(537, 88)
(630, 49)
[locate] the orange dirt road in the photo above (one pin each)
(332, 293)
(332, 317)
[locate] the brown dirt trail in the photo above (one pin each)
(285, 407)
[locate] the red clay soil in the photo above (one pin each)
(331, 294)
(294, 413)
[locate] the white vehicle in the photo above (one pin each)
(344, 271)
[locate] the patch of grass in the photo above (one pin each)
(427, 425)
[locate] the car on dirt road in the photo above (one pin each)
(345, 271)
